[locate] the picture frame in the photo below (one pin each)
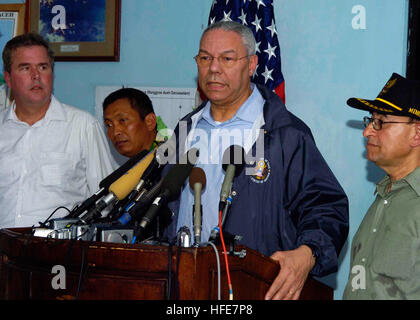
(78, 30)
(12, 23)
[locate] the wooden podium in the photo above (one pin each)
(99, 270)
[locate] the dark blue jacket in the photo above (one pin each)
(297, 200)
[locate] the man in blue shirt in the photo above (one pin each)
(286, 203)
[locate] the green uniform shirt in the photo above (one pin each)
(385, 254)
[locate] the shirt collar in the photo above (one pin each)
(412, 179)
(55, 112)
(10, 114)
(246, 112)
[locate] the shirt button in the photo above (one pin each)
(385, 201)
(363, 259)
(374, 230)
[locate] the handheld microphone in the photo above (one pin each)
(105, 183)
(120, 189)
(197, 184)
(171, 187)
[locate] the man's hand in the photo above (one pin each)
(295, 266)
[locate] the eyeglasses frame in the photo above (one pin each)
(368, 120)
(212, 58)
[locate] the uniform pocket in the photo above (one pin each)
(396, 255)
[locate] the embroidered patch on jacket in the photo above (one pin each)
(262, 171)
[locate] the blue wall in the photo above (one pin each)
(325, 61)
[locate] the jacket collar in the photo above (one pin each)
(275, 113)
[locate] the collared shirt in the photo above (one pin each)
(212, 138)
(58, 161)
(385, 255)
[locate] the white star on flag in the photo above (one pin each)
(227, 16)
(270, 51)
(267, 74)
(243, 17)
(272, 28)
(257, 47)
(260, 2)
(256, 23)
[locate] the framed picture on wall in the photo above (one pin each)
(78, 30)
(12, 23)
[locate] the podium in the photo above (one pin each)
(114, 271)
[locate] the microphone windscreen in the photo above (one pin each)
(106, 182)
(197, 175)
(177, 175)
(234, 155)
(123, 186)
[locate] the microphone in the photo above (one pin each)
(197, 184)
(105, 183)
(171, 187)
(133, 210)
(149, 177)
(233, 163)
(183, 237)
(120, 189)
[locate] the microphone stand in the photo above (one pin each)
(197, 228)
(215, 232)
(226, 208)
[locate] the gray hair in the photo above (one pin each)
(246, 33)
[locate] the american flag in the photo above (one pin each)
(259, 16)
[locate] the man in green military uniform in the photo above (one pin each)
(385, 254)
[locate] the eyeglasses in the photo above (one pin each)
(377, 123)
(204, 60)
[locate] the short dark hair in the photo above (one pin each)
(138, 100)
(25, 40)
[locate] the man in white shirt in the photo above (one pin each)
(51, 155)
